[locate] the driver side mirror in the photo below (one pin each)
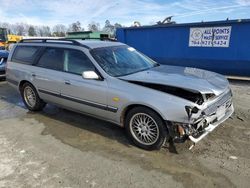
(90, 75)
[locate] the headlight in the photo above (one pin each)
(209, 96)
(191, 110)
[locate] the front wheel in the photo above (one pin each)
(145, 128)
(30, 98)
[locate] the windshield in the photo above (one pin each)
(121, 60)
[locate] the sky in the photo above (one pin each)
(125, 12)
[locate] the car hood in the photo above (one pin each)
(182, 77)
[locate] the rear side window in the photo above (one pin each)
(77, 62)
(52, 58)
(25, 54)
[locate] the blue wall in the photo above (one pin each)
(170, 45)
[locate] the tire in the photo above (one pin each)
(32, 101)
(149, 136)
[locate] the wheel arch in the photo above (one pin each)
(21, 83)
(131, 106)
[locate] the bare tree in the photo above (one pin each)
(59, 30)
(108, 27)
(46, 31)
(20, 29)
(117, 25)
(111, 29)
(13, 28)
(94, 26)
(39, 31)
(42, 31)
(75, 27)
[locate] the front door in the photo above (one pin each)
(88, 96)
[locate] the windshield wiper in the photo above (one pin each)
(157, 65)
(134, 72)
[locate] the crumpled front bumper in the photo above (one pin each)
(213, 125)
(207, 120)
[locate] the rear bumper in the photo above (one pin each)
(212, 126)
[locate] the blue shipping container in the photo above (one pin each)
(222, 46)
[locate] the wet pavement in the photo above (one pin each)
(60, 148)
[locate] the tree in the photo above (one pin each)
(46, 31)
(31, 31)
(39, 31)
(13, 28)
(6, 25)
(43, 31)
(75, 27)
(108, 27)
(94, 26)
(117, 25)
(20, 29)
(59, 30)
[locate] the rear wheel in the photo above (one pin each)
(30, 98)
(145, 128)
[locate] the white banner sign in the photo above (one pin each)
(210, 36)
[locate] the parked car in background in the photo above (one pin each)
(3, 59)
(115, 82)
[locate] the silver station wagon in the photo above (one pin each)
(112, 81)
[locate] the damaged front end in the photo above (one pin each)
(208, 111)
(202, 121)
(188, 94)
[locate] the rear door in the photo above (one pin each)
(48, 74)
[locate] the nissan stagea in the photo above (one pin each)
(112, 81)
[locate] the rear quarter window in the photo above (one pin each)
(25, 54)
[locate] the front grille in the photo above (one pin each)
(223, 99)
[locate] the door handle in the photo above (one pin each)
(33, 75)
(67, 82)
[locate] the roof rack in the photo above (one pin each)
(102, 39)
(54, 41)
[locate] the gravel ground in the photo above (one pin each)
(59, 148)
